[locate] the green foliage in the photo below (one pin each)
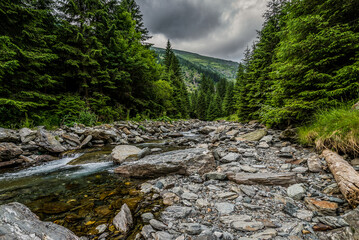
(305, 59)
(336, 129)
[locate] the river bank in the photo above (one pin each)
(192, 180)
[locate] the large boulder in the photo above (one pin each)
(9, 151)
(18, 222)
(49, 142)
(7, 135)
(121, 153)
(185, 162)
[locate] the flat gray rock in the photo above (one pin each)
(18, 222)
(123, 220)
(121, 153)
(283, 179)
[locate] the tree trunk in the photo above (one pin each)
(345, 175)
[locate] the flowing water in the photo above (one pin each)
(80, 191)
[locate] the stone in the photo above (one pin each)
(314, 164)
(71, 138)
(207, 129)
(158, 225)
(255, 135)
(304, 215)
(234, 218)
(231, 157)
(267, 139)
(18, 222)
(202, 202)
(175, 135)
(121, 153)
(215, 176)
(300, 170)
(8, 135)
(146, 217)
(101, 228)
(282, 179)
(139, 139)
(296, 191)
(176, 212)
(289, 134)
(49, 142)
(249, 169)
(147, 231)
(232, 133)
(9, 151)
(189, 196)
(170, 198)
(323, 207)
(162, 236)
(247, 226)
(355, 106)
(191, 228)
(224, 207)
(85, 141)
(248, 190)
(184, 162)
(352, 219)
(144, 152)
(263, 145)
(123, 220)
(334, 222)
(27, 135)
(345, 233)
(266, 234)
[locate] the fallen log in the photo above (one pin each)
(345, 175)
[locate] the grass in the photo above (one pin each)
(336, 129)
(231, 118)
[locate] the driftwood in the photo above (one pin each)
(345, 175)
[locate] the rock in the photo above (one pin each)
(202, 202)
(337, 234)
(191, 228)
(85, 141)
(266, 234)
(9, 151)
(323, 207)
(146, 217)
(247, 226)
(18, 222)
(267, 139)
(162, 236)
(296, 191)
(101, 228)
(7, 135)
(126, 131)
(249, 169)
(175, 135)
(170, 198)
(27, 135)
(314, 164)
(232, 133)
(263, 145)
(254, 136)
(352, 219)
(139, 139)
(189, 196)
(100, 134)
(248, 190)
(224, 207)
(144, 152)
(158, 225)
(300, 169)
(71, 139)
(304, 215)
(184, 162)
(283, 179)
(176, 212)
(49, 142)
(235, 218)
(123, 220)
(121, 153)
(231, 157)
(207, 129)
(334, 222)
(147, 231)
(289, 134)
(165, 130)
(215, 176)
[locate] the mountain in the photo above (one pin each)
(194, 65)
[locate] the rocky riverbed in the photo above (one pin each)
(209, 180)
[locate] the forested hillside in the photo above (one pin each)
(72, 60)
(194, 66)
(305, 60)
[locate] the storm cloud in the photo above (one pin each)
(218, 28)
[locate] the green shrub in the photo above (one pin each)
(336, 129)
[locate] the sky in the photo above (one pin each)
(217, 28)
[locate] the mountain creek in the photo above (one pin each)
(156, 180)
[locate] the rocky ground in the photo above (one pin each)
(232, 181)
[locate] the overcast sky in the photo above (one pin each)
(218, 28)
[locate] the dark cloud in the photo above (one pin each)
(219, 28)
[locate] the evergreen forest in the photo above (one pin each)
(89, 61)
